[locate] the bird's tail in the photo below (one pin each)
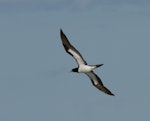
(98, 65)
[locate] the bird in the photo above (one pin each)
(83, 67)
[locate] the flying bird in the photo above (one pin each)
(83, 67)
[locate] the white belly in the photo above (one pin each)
(85, 68)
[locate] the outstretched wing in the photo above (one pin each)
(96, 81)
(72, 50)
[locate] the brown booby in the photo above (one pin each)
(83, 67)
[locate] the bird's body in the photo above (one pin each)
(83, 67)
(86, 68)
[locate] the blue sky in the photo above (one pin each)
(35, 82)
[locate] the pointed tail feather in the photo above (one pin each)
(98, 65)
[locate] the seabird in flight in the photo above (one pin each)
(83, 67)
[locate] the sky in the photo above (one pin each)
(35, 79)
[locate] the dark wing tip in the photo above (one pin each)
(105, 90)
(61, 32)
(65, 41)
(63, 36)
(110, 94)
(101, 87)
(96, 81)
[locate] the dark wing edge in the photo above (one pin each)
(96, 81)
(67, 45)
(65, 41)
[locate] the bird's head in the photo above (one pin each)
(74, 70)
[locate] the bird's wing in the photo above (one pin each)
(96, 81)
(72, 50)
